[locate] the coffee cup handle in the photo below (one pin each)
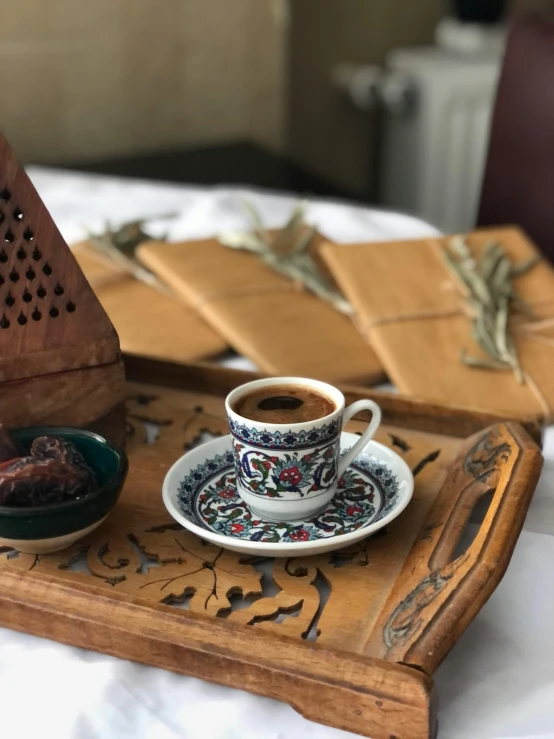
(349, 412)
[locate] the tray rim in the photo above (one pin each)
(450, 420)
(249, 657)
(370, 695)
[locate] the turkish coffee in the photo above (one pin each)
(284, 404)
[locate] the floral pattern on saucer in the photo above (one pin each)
(207, 496)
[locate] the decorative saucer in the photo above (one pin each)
(199, 492)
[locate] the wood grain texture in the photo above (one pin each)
(148, 323)
(50, 319)
(450, 589)
(422, 355)
(373, 698)
(324, 633)
(60, 361)
(83, 398)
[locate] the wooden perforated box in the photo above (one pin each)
(60, 361)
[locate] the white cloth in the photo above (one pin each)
(498, 682)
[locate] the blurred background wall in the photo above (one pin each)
(96, 78)
(86, 81)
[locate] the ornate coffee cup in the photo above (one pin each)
(290, 471)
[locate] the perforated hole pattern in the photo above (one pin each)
(29, 288)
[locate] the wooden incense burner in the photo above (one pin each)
(60, 360)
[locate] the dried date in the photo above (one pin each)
(53, 472)
(51, 447)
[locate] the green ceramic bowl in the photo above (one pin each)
(52, 527)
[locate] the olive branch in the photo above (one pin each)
(287, 253)
(489, 293)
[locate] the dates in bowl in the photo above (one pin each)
(57, 484)
(52, 471)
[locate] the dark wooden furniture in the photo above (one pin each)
(519, 179)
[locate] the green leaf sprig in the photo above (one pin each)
(490, 295)
(119, 245)
(287, 253)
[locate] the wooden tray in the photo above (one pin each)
(350, 639)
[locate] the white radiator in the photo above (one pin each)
(434, 147)
(436, 105)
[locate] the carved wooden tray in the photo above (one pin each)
(351, 638)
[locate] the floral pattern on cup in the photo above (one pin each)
(265, 439)
(276, 476)
(367, 492)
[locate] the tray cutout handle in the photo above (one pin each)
(436, 596)
(457, 538)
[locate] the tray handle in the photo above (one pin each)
(436, 596)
